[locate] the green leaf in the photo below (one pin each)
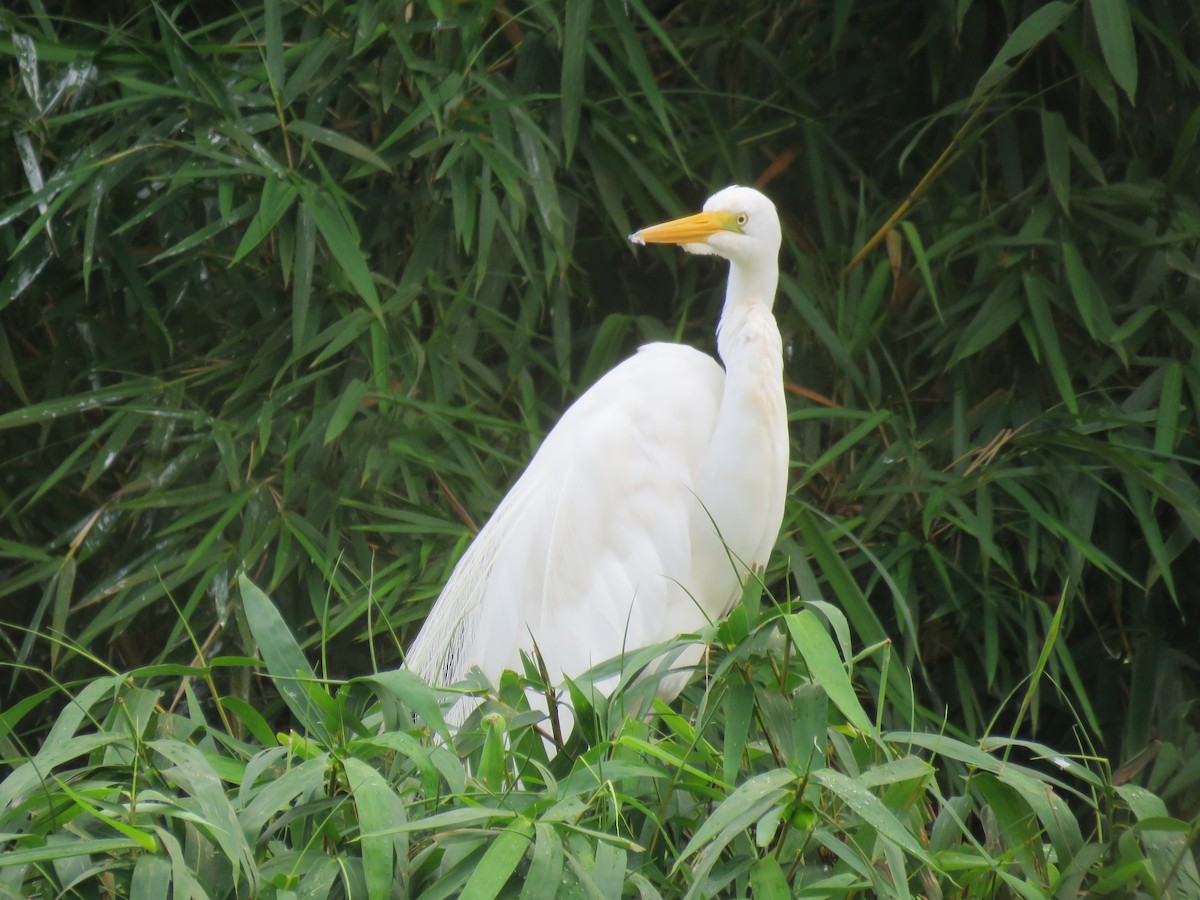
(608, 874)
(833, 567)
(64, 586)
(338, 142)
(907, 768)
(273, 41)
(922, 260)
(69, 405)
(286, 664)
(1115, 30)
(262, 803)
(997, 314)
(378, 808)
(66, 850)
(252, 719)
(1166, 428)
(203, 235)
(1082, 289)
(302, 275)
(343, 245)
(1143, 508)
(639, 67)
(737, 812)
(825, 666)
(767, 880)
(146, 841)
(1167, 843)
(739, 710)
(574, 57)
(413, 693)
(151, 878)
(1056, 145)
(545, 866)
(1047, 334)
(196, 776)
(277, 198)
(1019, 828)
(492, 760)
(53, 752)
(348, 405)
(99, 186)
(871, 809)
(499, 862)
(849, 440)
(1040, 24)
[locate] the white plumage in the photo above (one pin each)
(607, 542)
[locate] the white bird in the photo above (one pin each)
(646, 506)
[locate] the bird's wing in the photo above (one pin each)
(587, 552)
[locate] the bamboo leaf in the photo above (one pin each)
(571, 85)
(825, 666)
(872, 810)
(277, 198)
(348, 404)
(922, 260)
(768, 881)
(545, 865)
(1039, 25)
(736, 812)
(1166, 430)
(499, 862)
(285, 662)
(1047, 333)
(201, 782)
(378, 807)
(1019, 828)
(849, 440)
(1056, 142)
(997, 314)
(343, 245)
(54, 752)
(67, 850)
(273, 41)
(302, 275)
(1115, 30)
(415, 694)
(1081, 287)
(151, 877)
(339, 142)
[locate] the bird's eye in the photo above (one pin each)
(742, 219)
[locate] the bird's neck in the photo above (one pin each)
(749, 286)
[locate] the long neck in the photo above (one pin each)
(751, 283)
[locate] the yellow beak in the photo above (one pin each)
(688, 230)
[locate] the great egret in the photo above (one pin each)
(648, 502)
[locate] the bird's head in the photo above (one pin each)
(737, 223)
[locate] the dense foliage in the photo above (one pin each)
(292, 292)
